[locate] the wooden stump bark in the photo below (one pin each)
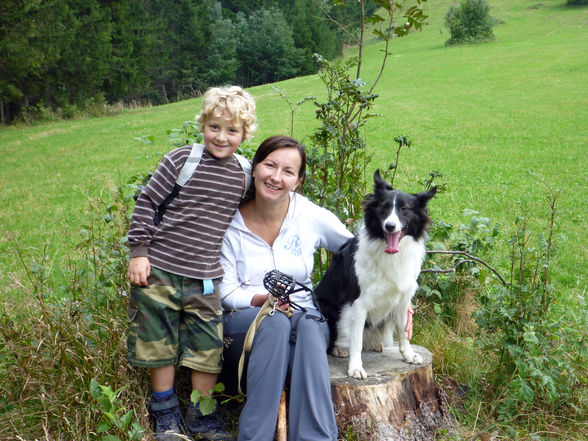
(398, 401)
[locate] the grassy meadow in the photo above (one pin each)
(483, 115)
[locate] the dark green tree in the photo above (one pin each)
(131, 42)
(469, 22)
(220, 59)
(266, 48)
(31, 37)
(315, 34)
(180, 31)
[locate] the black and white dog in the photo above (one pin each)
(366, 292)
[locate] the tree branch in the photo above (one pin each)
(339, 25)
(470, 259)
(386, 53)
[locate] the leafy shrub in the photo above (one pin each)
(534, 342)
(532, 345)
(70, 329)
(338, 157)
(452, 270)
(470, 22)
(117, 422)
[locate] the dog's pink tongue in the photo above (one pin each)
(392, 240)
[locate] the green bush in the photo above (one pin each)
(531, 341)
(469, 22)
(70, 330)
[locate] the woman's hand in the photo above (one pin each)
(138, 270)
(283, 306)
(258, 299)
(408, 328)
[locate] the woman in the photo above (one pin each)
(279, 229)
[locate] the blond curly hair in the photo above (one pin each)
(232, 102)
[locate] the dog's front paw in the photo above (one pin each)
(412, 357)
(339, 352)
(358, 373)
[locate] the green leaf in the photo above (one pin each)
(207, 405)
(195, 396)
(374, 19)
(125, 420)
(95, 388)
(219, 387)
(112, 418)
(103, 427)
(136, 432)
(104, 403)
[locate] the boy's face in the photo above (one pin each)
(222, 137)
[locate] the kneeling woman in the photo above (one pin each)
(279, 229)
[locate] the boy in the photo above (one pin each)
(174, 309)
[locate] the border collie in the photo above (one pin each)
(366, 292)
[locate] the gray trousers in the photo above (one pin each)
(273, 356)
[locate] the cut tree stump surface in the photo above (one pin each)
(396, 397)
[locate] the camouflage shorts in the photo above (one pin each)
(171, 321)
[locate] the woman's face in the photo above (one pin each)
(277, 174)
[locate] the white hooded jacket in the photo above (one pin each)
(246, 258)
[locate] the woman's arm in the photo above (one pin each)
(233, 295)
(332, 232)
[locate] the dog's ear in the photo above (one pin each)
(425, 196)
(379, 182)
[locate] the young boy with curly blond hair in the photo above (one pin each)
(174, 310)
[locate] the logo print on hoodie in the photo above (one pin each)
(293, 245)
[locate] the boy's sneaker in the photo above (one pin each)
(209, 427)
(168, 419)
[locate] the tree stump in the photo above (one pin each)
(398, 401)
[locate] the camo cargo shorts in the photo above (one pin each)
(172, 322)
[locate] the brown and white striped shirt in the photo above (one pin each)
(188, 239)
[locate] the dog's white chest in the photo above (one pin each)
(386, 280)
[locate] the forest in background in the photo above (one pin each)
(66, 56)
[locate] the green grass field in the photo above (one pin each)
(485, 116)
(482, 115)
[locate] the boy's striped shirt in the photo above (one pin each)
(187, 242)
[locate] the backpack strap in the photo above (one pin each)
(185, 173)
(188, 170)
(190, 164)
(247, 169)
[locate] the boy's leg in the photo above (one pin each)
(153, 342)
(201, 350)
(203, 381)
(154, 316)
(162, 378)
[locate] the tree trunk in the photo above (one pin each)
(398, 401)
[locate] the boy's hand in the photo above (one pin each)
(138, 270)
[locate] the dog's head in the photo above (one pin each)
(391, 214)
